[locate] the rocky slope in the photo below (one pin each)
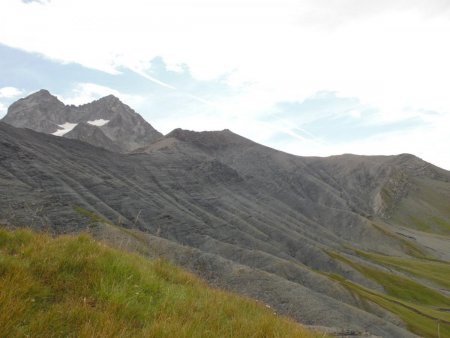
(273, 226)
(106, 123)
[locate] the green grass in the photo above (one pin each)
(419, 306)
(400, 287)
(432, 270)
(407, 246)
(91, 215)
(420, 224)
(427, 223)
(76, 287)
(421, 321)
(426, 208)
(442, 223)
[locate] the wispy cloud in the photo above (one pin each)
(329, 14)
(152, 79)
(37, 1)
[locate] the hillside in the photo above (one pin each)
(322, 240)
(73, 286)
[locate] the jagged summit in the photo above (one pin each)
(41, 92)
(39, 111)
(110, 97)
(40, 97)
(108, 100)
(123, 129)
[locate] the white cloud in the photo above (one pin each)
(391, 55)
(10, 92)
(355, 114)
(392, 58)
(2, 110)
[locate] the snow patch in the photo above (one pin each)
(66, 127)
(98, 123)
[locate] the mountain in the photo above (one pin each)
(355, 242)
(106, 123)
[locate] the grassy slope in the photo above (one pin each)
(426, 208)
(407, 246)
(421, 307)
(436, 271)
(76, 287)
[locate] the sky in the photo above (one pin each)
(309, 77)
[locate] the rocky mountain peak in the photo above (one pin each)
(39, 98)
(40, 111)
(41, 94)
(109, 100)
(110, 97)
(123, 128)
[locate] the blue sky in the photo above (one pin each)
(308, 77)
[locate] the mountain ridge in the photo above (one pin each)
(270, 225)
(123, 129)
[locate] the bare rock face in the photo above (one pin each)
(40, 111)
(92, 134)
(120, 127)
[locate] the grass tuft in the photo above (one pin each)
(76, 287)
(92, 216)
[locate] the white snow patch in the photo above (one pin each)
(66, 127)
(98, 123)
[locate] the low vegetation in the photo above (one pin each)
(425, 310)
(407, 246)
(426, 208)
(435, 271)
(92, 216)
(73, 286)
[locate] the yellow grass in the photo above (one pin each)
(75, 287)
